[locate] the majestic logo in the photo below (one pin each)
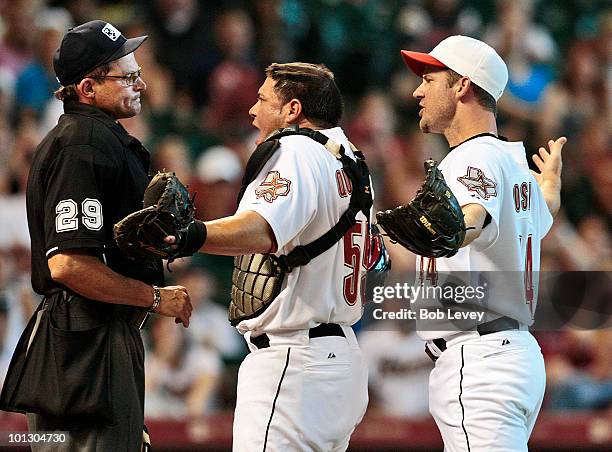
(476, 181)
(111, 32)
(273, 186)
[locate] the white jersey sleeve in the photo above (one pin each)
(285, 192)
(495, 174)
(302, 192)
(546, 218)
(475, 177)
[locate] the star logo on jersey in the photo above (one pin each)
(476, 181)
(273, 186)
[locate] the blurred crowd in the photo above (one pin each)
(203, 64)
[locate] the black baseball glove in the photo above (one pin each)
(432, 223)
(168, 210)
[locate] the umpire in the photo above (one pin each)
(79, 366)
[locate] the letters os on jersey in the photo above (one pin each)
(303, 182)
(495, 174)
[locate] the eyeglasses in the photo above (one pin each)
(128, 79)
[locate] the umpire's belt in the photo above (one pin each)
(494, 326)
(324, 329)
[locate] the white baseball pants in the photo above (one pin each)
(300, 394)
(485, 392)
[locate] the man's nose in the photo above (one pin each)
(140, 84)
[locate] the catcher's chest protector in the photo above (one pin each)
(258, 278)
(256, 281)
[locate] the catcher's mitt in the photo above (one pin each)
(168, 210)
(432, 223)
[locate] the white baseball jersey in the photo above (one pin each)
(302, 192)
(303, 393)
(494, 174)
(486, 390)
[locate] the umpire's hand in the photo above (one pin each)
(175, 302)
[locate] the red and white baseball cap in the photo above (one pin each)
(468, 57)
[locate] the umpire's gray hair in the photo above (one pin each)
(66, 93)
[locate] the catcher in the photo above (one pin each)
(304, 210)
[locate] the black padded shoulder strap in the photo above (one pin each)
(361, 200)
(295, 130)
(256, 162)
(357, 171)
(266, 150)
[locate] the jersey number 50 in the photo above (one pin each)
(353, 260)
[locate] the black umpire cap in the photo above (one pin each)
(88, 46)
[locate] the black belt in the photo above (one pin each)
(323, 330)
(494, 326)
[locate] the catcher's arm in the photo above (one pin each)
(549, 178)
(246, 232)
(166, 228)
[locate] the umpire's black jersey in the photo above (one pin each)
(87, 174)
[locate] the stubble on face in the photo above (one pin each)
(438, 117)
(116, 99)
(133, 105)
(438, 108)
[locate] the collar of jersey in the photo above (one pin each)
(79, 108)
(335, 133)
(484, 134)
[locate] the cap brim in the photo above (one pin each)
(417, 61)
(128, 47)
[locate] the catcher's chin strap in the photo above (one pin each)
(361, 196)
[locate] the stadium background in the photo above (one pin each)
(203, 65)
